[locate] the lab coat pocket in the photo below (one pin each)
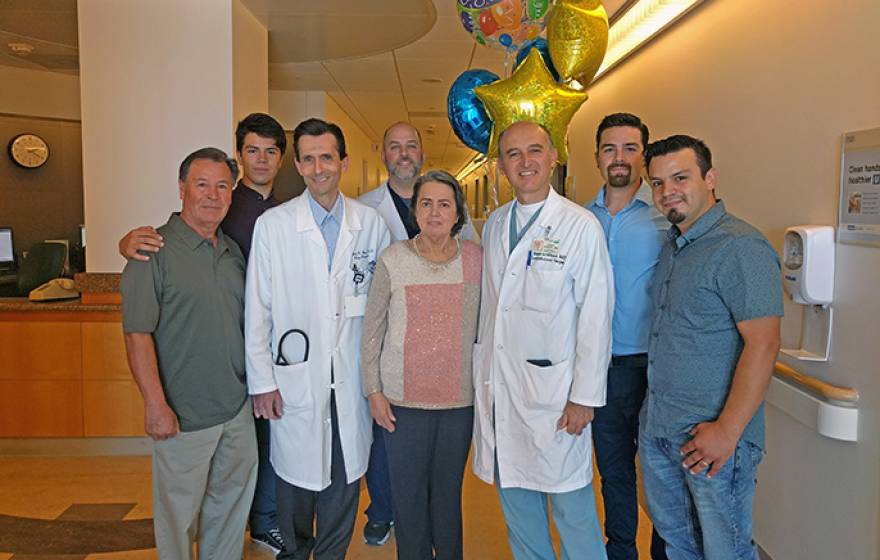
(355, 306)
(547, 388)
(541, 289)
(294, 385)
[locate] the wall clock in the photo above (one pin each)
(28, 150)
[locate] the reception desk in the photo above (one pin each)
(63, 370)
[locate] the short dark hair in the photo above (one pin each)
(213, 154)
(622, 119)
(263, 125)
(678, 143)
(440, 176)
(318, 127)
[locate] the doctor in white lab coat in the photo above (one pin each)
(310, 269)
(543, 349)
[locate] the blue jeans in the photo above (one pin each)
(615, 438)
(378, 480)
(528, 525)
(700, 517)
(263, 513)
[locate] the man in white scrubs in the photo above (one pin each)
(312, 260)
(542, 355)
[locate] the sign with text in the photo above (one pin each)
(859, 212)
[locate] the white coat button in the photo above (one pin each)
(500, 347)
(506, 309)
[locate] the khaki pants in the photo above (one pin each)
(203, 485)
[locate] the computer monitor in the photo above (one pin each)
(7, 249)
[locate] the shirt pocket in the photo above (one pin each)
(294, 385)
(547, 388)
(541, 289)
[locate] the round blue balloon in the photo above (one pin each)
(468, 117)
(539, 43)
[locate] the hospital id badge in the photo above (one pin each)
(355, 306)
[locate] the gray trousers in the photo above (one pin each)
(427, 454)
(319, 522)
(203, 484)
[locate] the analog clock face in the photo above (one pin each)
(28, 150)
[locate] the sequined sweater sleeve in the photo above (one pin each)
(375, 326)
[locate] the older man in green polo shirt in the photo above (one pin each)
(182, 317)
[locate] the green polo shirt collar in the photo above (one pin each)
(191, 238)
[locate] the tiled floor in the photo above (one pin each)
(50, 488)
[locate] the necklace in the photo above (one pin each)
(435, 266)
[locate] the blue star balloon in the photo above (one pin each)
(467, 115)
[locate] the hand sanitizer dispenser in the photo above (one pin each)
(808, 276)
(808, 261)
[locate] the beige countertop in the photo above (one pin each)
(100, 282)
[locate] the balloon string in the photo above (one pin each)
(494, 184)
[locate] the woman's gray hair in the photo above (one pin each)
(440, 176)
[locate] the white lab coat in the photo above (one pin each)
(558, 308)
(289, 286)
(380, 199)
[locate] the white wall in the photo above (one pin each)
(37, 93)
(770, 86)
(156, 83)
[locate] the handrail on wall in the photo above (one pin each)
(825, 390)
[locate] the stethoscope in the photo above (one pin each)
(281, 360)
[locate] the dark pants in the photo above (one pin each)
(263, 516)
(378, 483)
(335, 508)
(615, 439)
(427, 454)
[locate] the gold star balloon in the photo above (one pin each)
(577, 36)
(531, 94)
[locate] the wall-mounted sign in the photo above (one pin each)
(858, 218)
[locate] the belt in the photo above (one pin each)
(630, 360)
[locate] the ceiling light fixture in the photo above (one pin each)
(21, 49)
(470, 167)
(642, 22)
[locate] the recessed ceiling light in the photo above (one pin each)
(20, 49)
(432, 80)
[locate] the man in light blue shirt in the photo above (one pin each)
(634, 231)
(717, 300)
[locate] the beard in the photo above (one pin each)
(405, 174)
(675, 217)
(619, 180)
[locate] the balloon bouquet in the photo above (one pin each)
(549, 77)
